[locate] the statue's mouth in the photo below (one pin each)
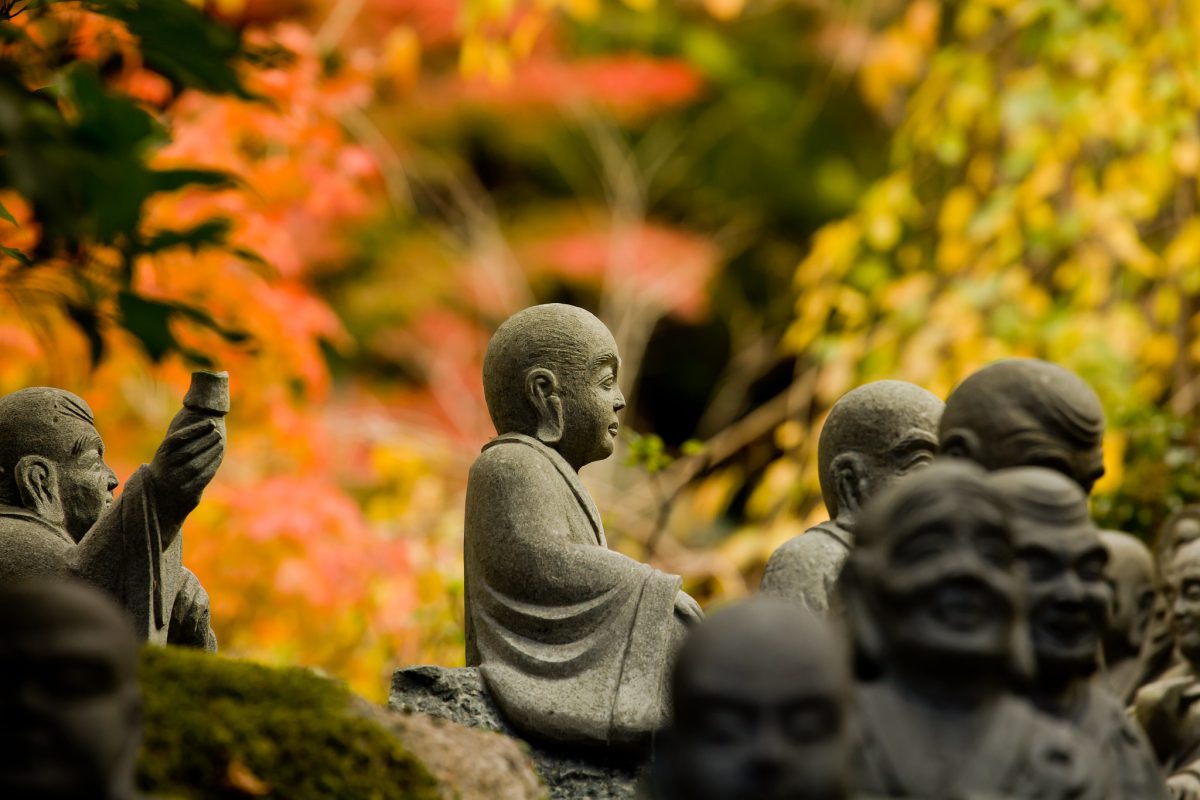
(613, 428)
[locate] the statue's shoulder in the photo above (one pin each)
(819, 544)
(514, 465)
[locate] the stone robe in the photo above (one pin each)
(1125, 754)
(1169, 711)
(806, 569)
(134, 552)
(575, 642)
(1020, 753)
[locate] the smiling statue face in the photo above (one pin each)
(947, 590)
(1182, 593)
(591, 400)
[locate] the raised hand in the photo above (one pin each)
(187, 460)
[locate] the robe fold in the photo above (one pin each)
(574, 641)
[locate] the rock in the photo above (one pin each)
(458, 695)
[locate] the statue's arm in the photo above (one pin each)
(191, 617)
(185, 463)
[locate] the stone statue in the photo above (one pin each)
(57, 513)
(1168, 709)
(1025, 412)
(932, 593)
(1130, 574)
(872, 435)
(1159, 655)
(1067, 602)
(761, 693)
(574, 641)
(70, 706)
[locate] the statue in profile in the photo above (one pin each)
(1130, 573)
(1169, 708)
(1026, 412)
(761, 710)
(1067, 599)
(58, 515)
(932, 594)
(873, 434)
(69, 697)
(574, 641)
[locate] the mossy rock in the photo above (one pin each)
(220, 729)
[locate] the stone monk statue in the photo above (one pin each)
(70, 706)
(574, 641)
(1026, 412)
(1169, 708)
(1130, 574)
(873, 434)
(932, 593)
(57, 513)
(761, 710)
(1067, 599)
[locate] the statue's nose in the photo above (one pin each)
(619, 401)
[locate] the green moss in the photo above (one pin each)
(218, 728)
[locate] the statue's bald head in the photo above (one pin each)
(760, 695)
(1026, 412)
(874, 434)
(69, 694)
(52, 458)
(39, 421)
(550, 372)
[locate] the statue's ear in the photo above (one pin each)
(850, 483)
(867, 639)
(541, 389)
(37, 484)
(960, 443)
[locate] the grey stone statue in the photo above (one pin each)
(1169, 708)
(873, 434)
(1130, 574)
(574, 641)
(932, 593)
(70, 706)
(761, 694)
(1025, 412)
(1159, 654)
(1067, 601)
(57, 513)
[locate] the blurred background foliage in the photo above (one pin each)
(768, 201)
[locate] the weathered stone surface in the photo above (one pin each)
(761, 696)
(873, 434)
(1066, 600)
(573, 641)
(70, 721)
(1026, 412)
(932, 592)
(1130, 572)
(58, 516)
(458, 695)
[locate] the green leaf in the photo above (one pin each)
(209, 233)
(169, 180)
(14, 253)
(149, 321)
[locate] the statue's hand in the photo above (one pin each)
(187, 460)
(1184, 786)
(687, 608)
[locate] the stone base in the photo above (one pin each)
(458, 695)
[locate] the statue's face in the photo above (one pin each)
(765, 729)
(1068, 596)
(906, 450)
(1182, 594)
(85, 482)
(71, 713)
(947, 589)
(1132, 590)
(1024, 441)
(591, 400)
